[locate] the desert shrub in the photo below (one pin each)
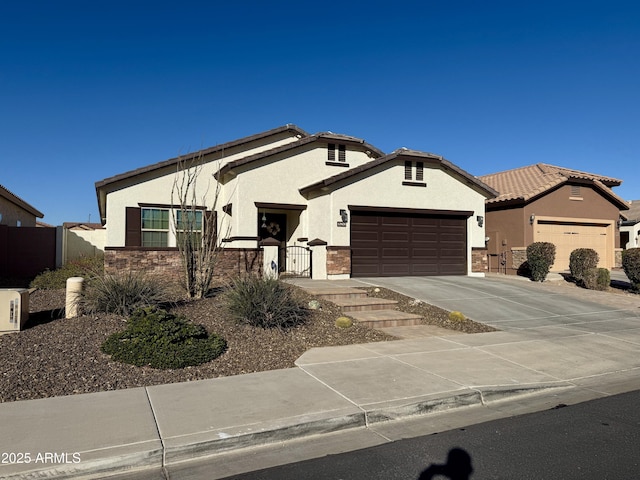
(603, 279)
(583, 264)
(159, 339)
(344, 322)
(120, 293)
(55, 279)
(540, 257)
(457, 316)
(264, 302)
(631, 265)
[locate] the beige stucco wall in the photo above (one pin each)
(83, 243)
(12, 214)
(385, 190)
(278, 180)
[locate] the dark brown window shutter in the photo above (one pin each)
(133, 227)
(211, 223)
(407, 171)
(332, 152)
(342, 153)
(419, 171)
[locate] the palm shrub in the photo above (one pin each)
(540, 257)
(631, 266)
(583, 264)
(56, 279)
(264, 302)
(120, 293)
(160, 339)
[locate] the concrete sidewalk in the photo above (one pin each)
(356, 388)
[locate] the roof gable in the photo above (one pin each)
(405, 154)
(16, 200)
(521, 185)
(327, 137)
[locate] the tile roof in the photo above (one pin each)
(526, 183)
(323, 136)
(405, 153)
(633, 214)
(16, 200)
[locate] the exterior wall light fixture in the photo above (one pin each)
(343, 215)
(532, 219)
(480, 220)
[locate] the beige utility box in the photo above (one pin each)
(14, 309)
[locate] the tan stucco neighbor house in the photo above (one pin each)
(15, 212)
(359, 211)
(546, 203)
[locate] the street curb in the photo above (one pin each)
(176, 451)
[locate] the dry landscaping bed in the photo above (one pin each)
(55, 356)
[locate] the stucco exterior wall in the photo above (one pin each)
(511, 231)
(384, 189)
(12, 214)
(277, 180)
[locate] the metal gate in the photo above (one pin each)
(297, 261)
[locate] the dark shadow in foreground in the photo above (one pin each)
(458, 467)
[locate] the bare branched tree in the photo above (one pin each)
(195, 227)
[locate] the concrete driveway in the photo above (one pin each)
(519, 304)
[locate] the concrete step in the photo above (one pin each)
(332, 294)
(386, 318)
(364, 304)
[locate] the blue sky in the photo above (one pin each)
(93, 89)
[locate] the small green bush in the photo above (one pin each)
(159, 339)
(583, 264)
(264, 302)
(631, 265)
(120, 294)
(603, 279)
(456, 316)
(56, 279)
(344, 322)
(540, 257)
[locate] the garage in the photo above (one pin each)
(568, 236)
(405, 243)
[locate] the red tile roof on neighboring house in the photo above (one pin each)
(16, 200)
(526, 183)
(633, 214)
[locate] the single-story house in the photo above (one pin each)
(546, 203)
(361, 212)
(15, 212)
(630, 226)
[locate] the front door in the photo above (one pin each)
(274, 225)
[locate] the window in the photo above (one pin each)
(331, 152)
(414, 175)
(155, 227)
(191, 222)
(342, 155)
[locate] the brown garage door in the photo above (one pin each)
(407, 244)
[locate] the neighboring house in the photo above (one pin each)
(630, 226)
(82, 240)
(15, 212)
(361, 212)
(26, 248)
(545, 203)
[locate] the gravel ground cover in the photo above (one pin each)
(55, 356)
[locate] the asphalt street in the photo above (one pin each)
(599, 439)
